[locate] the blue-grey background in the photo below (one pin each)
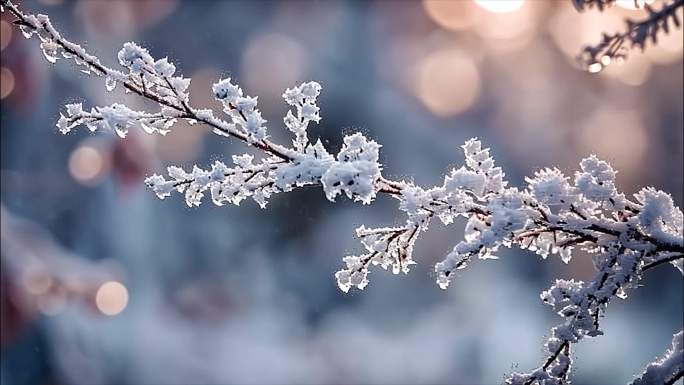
(239, 295)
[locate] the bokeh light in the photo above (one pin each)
(5, 34)
(453, 15)
(448, 82)
(87, 164)
(598, 136)
(270, 64)
(6, 82)
(111, 298)
(53, 302)
(37, 280)
(107, 18)
(595, 68)
(500, 6)
(511, 31)
(121, 19)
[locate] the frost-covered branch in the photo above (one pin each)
(551, 214)
(667, 369)
(637, 33)
(355, 172)
(582, 305)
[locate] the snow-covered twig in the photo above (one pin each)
(667, 369)
(552, 214)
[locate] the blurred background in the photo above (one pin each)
(103, 283)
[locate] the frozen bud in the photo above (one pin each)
(134, 57)
(224, 90)
(164, 68)
(161, 187)
(246, 103)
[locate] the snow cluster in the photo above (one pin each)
(154, 77)
(116, 118)
(303, 98)
(241, 109)
(353, 172)
(659, 217)
(597, 181)
(551, 187)
(552, 214)
(225, 184)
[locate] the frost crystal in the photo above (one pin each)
(242, 110)
(134, 57)
(355, 171)
(224, 90)
(659, 216)
(116, 118)
(551, 187)
(303, 98)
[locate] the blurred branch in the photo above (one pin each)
(581, 5)
(42, 273)
(637, 33)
